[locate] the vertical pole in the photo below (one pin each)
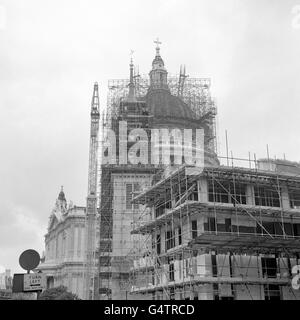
(226, 147)
(249, 160)
(268, 152)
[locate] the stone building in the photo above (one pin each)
(63, 262)
(158, 102)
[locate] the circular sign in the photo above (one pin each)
(29, 259)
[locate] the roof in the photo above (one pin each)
(190, 173)
(164, 105)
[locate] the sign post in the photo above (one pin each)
(34, 282)
(29, 282)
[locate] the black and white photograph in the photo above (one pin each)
(150, 150)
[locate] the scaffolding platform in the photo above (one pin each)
(201, 280)
(154, 192)
(234, 242)
(244, 174)
(191, 207)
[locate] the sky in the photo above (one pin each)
(51, 53)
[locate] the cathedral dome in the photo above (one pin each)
(162, 104)
(159, 100)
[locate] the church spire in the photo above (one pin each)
(158, 62)
(158, 74)
(131, 94)
(61, 202)
(61, 195)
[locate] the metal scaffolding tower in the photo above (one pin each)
(91, 206)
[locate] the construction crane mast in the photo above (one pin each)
(91, 204)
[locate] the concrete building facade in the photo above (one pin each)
(64, 259)
(227, 233)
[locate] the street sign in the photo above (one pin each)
(29, 259)
(34, 281)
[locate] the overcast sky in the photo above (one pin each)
(51, 52)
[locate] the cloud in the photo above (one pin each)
(53, 51)
(19, 230)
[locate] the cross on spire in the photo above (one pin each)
(157, 42)
(157, 45)
(131, 55)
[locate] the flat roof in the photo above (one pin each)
(190, 173)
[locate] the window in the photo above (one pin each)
(216, 291)
(159, 210)
(269, 267)
(294, 196)
(170, 240)
(296, 229)
(172, 294)
(272, 292)
(210, 225)
(179, 236)
(194, 229)
(171, 271)
(239, 191)
(132, 190)
(214, 265)
(57, 247)
(226, 191)
(105, 246)
(64, 236)
(277, 228)
(228, 225)
(105, 261)
(194, 194)
(172, 159)
(158, 247)
(79, 229)
(217, 193)
(266, 196)
(180, 263)
(106, 227)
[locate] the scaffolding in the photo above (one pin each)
(195, 92)
(229, 232)
(116, 254)
(91, 218)
(236, 257)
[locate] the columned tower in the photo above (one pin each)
(158, 74)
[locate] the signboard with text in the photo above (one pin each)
(34, 282)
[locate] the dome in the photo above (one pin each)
(162, 104)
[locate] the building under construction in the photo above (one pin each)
(225, 233)
(170, 231)
(155, 102)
